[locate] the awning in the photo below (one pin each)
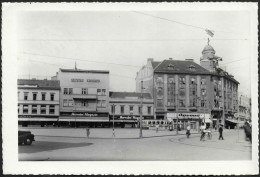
(37, 119)
(77, 119)
(232, 121)
(207, 121)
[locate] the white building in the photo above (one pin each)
(38, 101)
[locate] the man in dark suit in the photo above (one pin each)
(220, 130)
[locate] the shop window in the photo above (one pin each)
(34, 96)
(25, 109)
(43, 109)
(84, 91)
(52, 109)
(34, 109)
(52, 96)
(25, 95)
(122, 109)
(43, 96)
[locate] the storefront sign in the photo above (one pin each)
(24, 116)
(88, 80)
(127, 117)
(85, 114)
(77, 80)
(187, 116)
(93, 80)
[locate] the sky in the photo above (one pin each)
(122, 41)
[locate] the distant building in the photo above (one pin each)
(38, 101)
(84, 97)
(190, 91)
(127, 107)
(244, 108)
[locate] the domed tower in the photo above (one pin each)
(209, 60)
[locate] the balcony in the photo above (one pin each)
(84, 97)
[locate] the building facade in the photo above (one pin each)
(84, 97)
(38, 101)
(190, 92)
(244, 108)
(126, 108)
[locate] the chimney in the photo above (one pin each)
(33, 78)
(170, 58)
(149, 60)
(189, 59)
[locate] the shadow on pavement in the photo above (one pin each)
(41, 146)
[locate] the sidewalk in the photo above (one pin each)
(127, 133)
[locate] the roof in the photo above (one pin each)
(39, 84)
(180, 67)
(221, 72)
(84, 71)
(155, 63)
(125, 95)
(208, 47)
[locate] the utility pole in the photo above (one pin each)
(141, 113)
(177, 115)
(113, 109)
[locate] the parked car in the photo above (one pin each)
(25, 137)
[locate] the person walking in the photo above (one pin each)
(157, 127)
(88, 131)
(220, 130)
(202, 129)
(188, 130)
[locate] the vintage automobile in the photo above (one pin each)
(25, 137)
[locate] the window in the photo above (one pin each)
(70, 103)
(99, 91)
(139, 109)
(192, 102)
(18, 95)
(84, 103)
(181, 103)
(25, 95)
(103, 91)
(65, 92)
(34, 109)
(170, 66)
(192, 68)
(18, 108)
(43, 96)
(122, 109)
(51, 109)
(34, 96)
(112, 108)
(65, 103)
(159, 102)
(203, 103)
(103, 104)
(99, 103)
(25, 109)
(52, 96)
(84, 91)
(70, 91)
(149, 109)
(182, 80)
(182, 92)
(43, 109)
(131, 109)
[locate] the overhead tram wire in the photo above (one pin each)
(234, 61)
(77, 59)
(68, 67)
(173, 21)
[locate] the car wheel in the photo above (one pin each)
(27, 141)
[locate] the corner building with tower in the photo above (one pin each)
(184, 91)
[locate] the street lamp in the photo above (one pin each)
(113, 109)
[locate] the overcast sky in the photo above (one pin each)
(121, 41)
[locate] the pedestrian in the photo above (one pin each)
(157, 127)
(202, 129)
(220, 130)
(188, 131)
(88, 131)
